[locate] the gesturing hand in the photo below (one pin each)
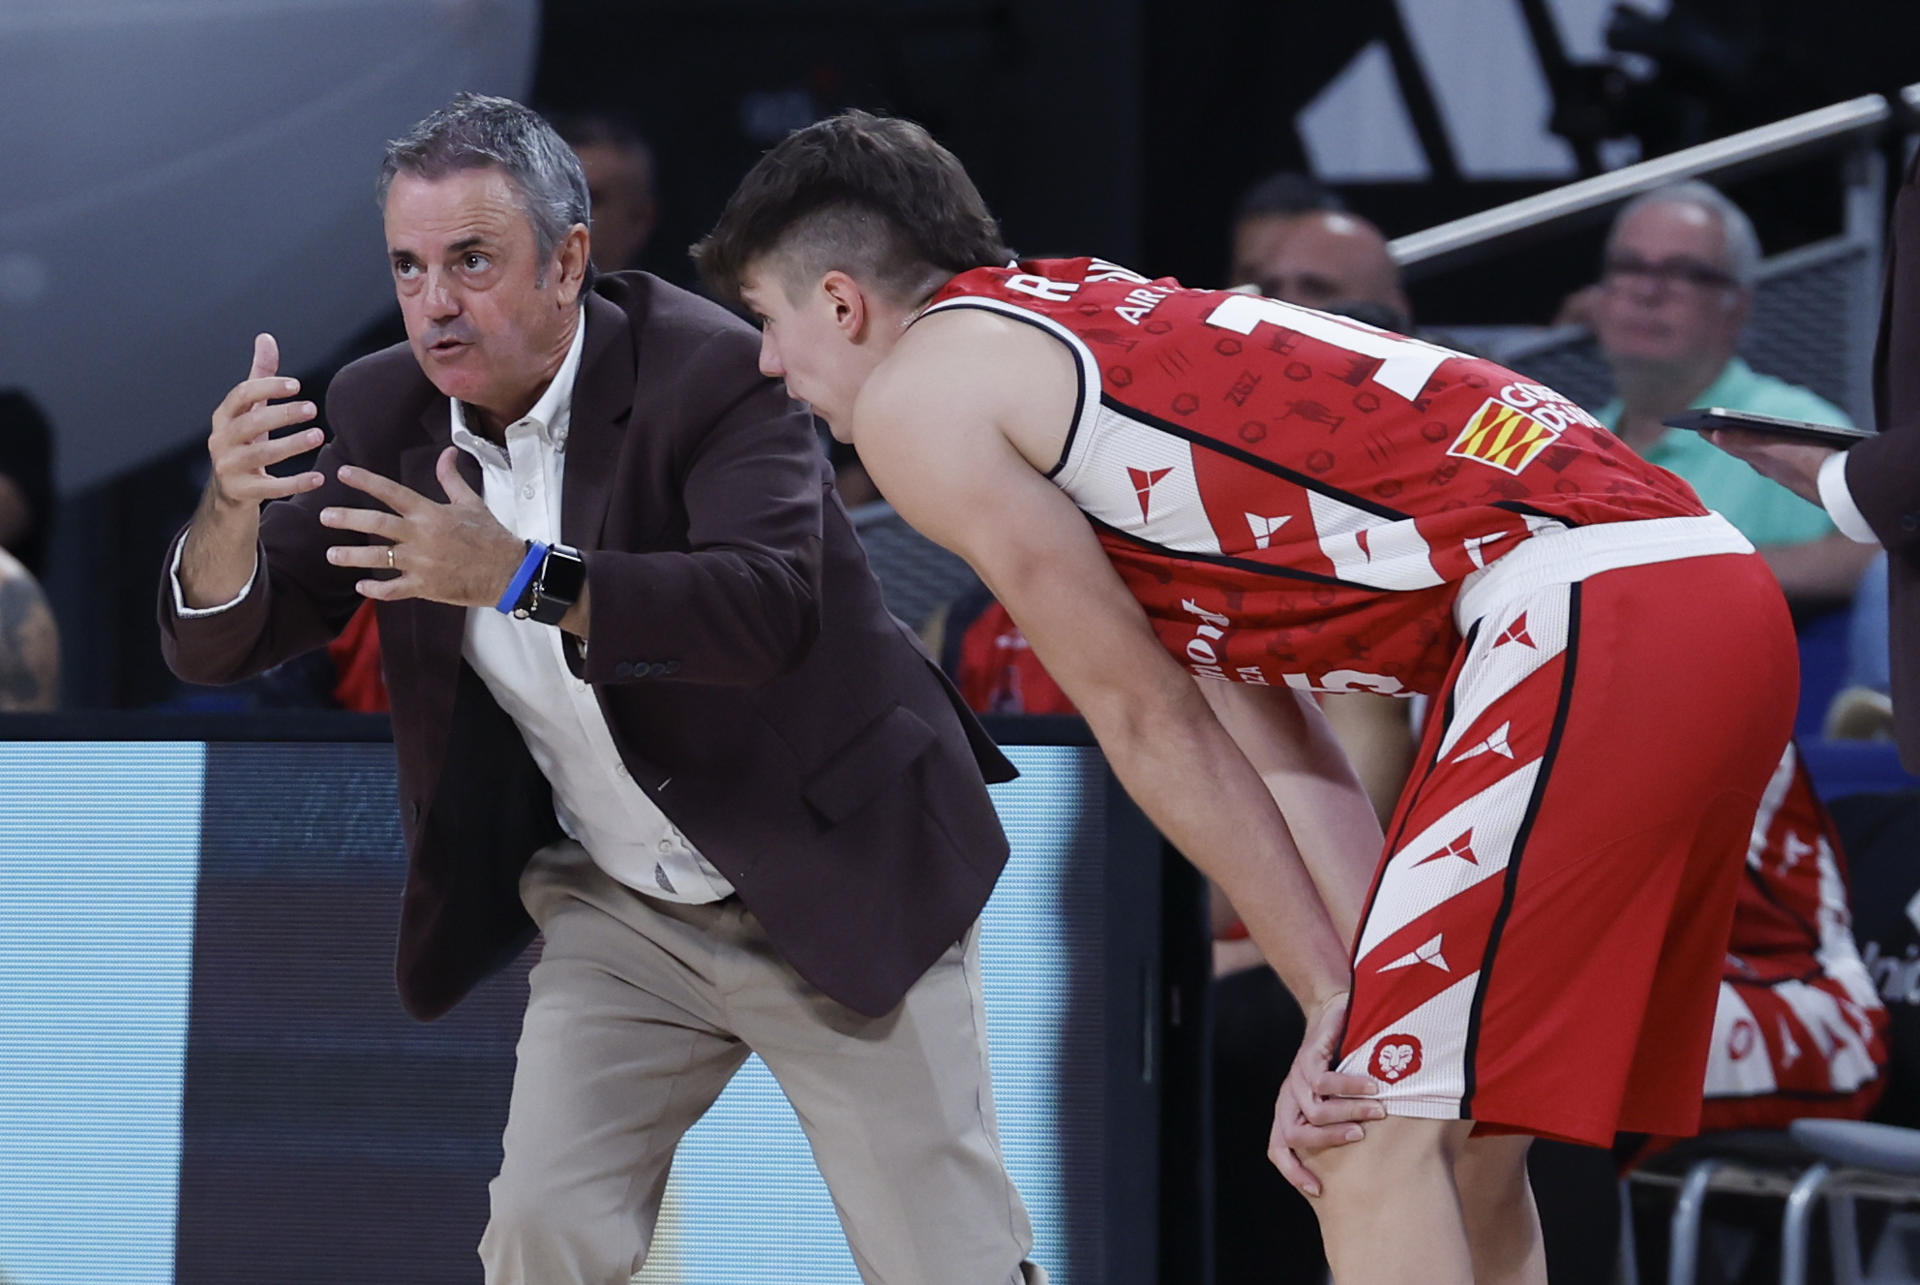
(239, 445)
(454, 552)
(1318, 1108)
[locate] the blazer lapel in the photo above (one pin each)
(602, 404)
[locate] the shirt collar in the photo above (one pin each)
(551, 414)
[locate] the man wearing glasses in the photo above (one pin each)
(1675, 291)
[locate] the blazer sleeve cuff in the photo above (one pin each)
(1838, 500)
(180, 607)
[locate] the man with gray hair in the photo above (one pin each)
(645, 697)
(1675, 292)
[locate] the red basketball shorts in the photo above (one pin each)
(1543, 945)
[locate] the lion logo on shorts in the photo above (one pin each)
(1395, 1057)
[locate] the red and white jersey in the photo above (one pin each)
(1295, 497)
(1793, 916)
(1799, 1028)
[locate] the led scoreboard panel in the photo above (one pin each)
(206, 1077)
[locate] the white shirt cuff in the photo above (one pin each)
(180, 607)
(1839, 501)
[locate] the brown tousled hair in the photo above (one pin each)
(872, 196)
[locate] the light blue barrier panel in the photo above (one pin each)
(99, 853)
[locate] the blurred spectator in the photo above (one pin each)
(1675, 291)
(620, 184)
(26, 480)
(1267, 212)
(1331, 261)
(29, 642)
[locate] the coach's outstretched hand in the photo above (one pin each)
(1319, 1108)
(217, 561)
(454, 552)
(240, 446)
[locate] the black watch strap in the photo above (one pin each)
(562, 578)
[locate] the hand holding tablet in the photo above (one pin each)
(1712, 417)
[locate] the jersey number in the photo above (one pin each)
(1405, 364)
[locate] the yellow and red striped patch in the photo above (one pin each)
(1503, 437)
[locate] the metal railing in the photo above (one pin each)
(1852, 125)
(1815, 307)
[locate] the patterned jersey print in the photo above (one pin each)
(1295, 497)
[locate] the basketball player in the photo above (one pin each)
(1201, 506)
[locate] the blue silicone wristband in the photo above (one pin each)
(529, 567)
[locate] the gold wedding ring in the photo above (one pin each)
(390, 565)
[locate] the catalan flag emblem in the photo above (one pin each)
(1503, 437)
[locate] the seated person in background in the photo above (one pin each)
(1799, 1029)
(1267, 213)
(26, 480)
(1335, 262)
(618, 164)
(1675, 291)
(29, 642)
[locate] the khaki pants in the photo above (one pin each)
(641, 1011)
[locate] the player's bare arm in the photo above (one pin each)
(936, 426)
(1288, 740)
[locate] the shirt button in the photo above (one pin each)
(526, 492)
(621, 768)
(666, 845)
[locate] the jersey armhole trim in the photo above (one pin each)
(1086, 369)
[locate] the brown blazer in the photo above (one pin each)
(1883, 473)
(758, 690)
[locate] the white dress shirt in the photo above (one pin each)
(1838, 500)
(522, 664)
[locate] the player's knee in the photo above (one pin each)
(1396, 1151)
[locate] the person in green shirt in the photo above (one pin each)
(1675, 291)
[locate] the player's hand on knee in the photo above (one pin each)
(1319, 1108)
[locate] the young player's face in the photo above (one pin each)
(802, 343)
